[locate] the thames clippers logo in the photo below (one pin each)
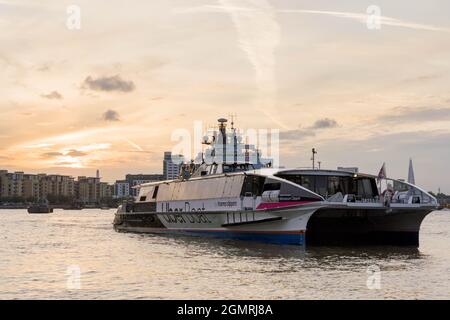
(186, 218)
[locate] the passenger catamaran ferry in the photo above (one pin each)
(248, 200)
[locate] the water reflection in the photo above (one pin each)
(248, 249)
(36, 252)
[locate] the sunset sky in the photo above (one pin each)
(110, 94)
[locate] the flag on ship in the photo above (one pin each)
(382, 173)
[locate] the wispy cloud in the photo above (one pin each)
(75, 153)
(54, 95)
(362, 17)
(300, 134)
(259, 35)
(94, 146)
(39, 145)
(422, 114)
(134, 145)
(51, 155)
(114, 83)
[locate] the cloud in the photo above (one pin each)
(54, 95)
(108, 84)
(111, 115)
(299, 134)
(39, 145)
(44, 67)
(94, 146)
(50, 155)
(359, 17)
(423, 114)
(71, 153)
(75, 153)
(428, 77)
(324, 124)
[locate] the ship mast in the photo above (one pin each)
(223, 132)
(314, 152)
(235, 142)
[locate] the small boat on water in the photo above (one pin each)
(247, 201)
(40, 208)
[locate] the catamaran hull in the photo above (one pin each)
(341, 226)
(312, 224)
(290, 238)
(287, 226)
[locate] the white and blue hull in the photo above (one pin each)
(286, 226)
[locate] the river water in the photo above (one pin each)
(78, 255)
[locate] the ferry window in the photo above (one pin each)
(155, 192)
(321, 185)
(272, 186)
(333, 185)
(374, 187)
(399, 186)
(368, 188)
(307, 182)
(228, 168)
(258, 185)
(243, 167)
(247, 186)
(143, 198)
(293, 178)
(360, 188)
(365, 188)
(253, 185)
(344, 185)
(352, 186)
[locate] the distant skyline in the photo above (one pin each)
(109, 95)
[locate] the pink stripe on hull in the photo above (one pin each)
(275, 205)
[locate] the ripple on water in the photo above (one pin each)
(41, 256)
